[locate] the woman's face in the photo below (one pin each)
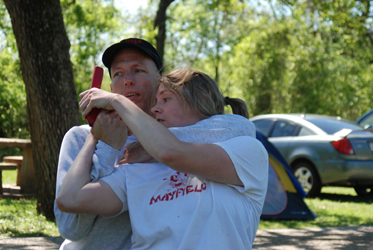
(169, 110)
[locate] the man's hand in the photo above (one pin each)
(110, 129)
(135, 153)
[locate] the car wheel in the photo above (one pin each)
(364, 190)
(308, 178)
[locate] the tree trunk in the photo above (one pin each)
(160, 22)
(52, 107)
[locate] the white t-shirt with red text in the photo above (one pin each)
(174, 210)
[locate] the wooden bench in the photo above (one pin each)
(5, 166)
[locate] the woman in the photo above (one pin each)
(208, 187)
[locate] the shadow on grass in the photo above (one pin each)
(16, 233)
(346, 198)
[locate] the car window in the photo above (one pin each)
(263, 126)
(283, 128)
(333, 126)
(306, 131)
(367, 122)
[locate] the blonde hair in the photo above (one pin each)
(201, 93)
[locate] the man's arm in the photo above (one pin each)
(79, 195)
(71, 226)
(110, 129)
(76, 226)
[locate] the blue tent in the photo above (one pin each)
(284, 198)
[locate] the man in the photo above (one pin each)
(134, 67)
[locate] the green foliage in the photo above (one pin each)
(261, 59)
(91, 27)
(279, 56)
(199, 32)
(13, 114)
(306, 59)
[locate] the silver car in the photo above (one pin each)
(366, 120)
(322, 150)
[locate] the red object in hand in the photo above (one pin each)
(98, 74)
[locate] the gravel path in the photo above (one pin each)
(330, 238)
(341, 238)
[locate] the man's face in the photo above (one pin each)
(170, 111)
(135, 76)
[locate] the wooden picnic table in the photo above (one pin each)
(27, 176)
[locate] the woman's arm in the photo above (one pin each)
(206, 160)
(78, 195)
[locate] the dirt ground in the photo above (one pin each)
(341, 238)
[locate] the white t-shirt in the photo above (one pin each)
(173, 210)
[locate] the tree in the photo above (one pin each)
(332, 73)
(160, 22)
(91, 27)
(52, 109)
(261, 67)
(306, 57)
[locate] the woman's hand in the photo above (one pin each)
(135, 153)
(95, 98)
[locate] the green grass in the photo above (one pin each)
(335, 207)
(9, 176)
(19, 217)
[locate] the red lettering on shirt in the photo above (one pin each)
(172, 195)
(152, 200)
(165, 197)
(189, 189)
(179, 193)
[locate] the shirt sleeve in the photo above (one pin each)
(76, 226)
(117, 182)
(250, 160)
(214, 129)
(104, 160)
(71, 226)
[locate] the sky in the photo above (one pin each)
(131, 5)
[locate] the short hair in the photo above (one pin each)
(201, 92)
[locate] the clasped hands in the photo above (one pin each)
(109, 127)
